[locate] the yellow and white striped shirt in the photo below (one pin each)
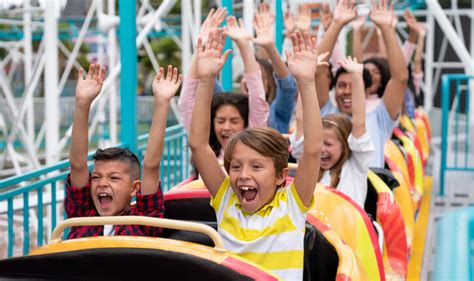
(273, 237)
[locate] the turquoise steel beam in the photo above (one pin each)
(279, 26)
(226, 73)
(445, 109)
(128, 74)
(445, 94)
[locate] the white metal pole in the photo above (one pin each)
(164, 8)
(51, 83)
(28, 59)
(112, 42)
(100, 59)
(197, 18)
(452, 36)
(185, 36)
(248, 15)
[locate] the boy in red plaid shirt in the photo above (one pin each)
(115, 179)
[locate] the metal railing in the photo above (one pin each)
(455, 127)
(31, 203)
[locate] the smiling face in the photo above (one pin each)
(253, 177)
(112, 187)
(376, 78)
(343, 90)
(227, 122)
(332, 149)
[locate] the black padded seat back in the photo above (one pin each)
(190, 209)
(320, 256)
(387, 177)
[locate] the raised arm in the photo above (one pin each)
(302, 64)
(258, 106)
(357, 26)
(86, 91)
(210, 61)
(358, 95)
(263, 23)
(410, 44)
(418, 71)
(236, 31)
(190, 83)
(382, 16)
(343, 13)
(164, 88)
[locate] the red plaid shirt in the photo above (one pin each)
(79, 203)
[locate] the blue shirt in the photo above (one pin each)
(409, 104)
(282, 107)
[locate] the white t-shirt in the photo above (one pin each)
(379, 126)
(109, 230)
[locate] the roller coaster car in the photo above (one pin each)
(326, 256)
(353, 226)
(381, 204)
(131, 257)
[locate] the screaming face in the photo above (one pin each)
(112, 187)
(253, 177)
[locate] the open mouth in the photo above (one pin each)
(347, 102)
(105, 199)
(248, 193)
(225, 138)
(325, 160)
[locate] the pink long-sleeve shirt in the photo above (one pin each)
(259, 108)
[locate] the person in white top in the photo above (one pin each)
(347, 148)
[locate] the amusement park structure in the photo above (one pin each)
(41, 44)
(29, 23)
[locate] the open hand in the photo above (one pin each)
(351, 65)
(89, 88)
(212, 22)
(166, 88)
(263, 23)
(303, 61)
(303, 19)
(236, 31)
(289, 22)
(210, 58)
(326, 16)
(344, 12)
(411, 21)
(382, 14)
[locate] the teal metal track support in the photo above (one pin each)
(279, 26)
(446, 82)
(128, 74)
(227, 69)
(445, 95)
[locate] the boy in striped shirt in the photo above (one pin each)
(258, 217)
